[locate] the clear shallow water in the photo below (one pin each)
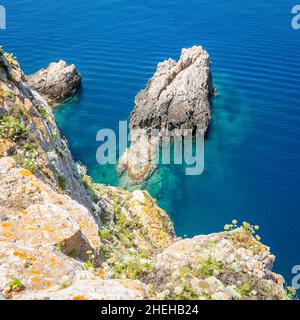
(252, 168)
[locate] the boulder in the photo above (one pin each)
(56, 83)
(177, 96)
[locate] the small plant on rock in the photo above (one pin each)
(8, 94)
(16, 285)
(12, 128)
(62, 182)
(106, 234)
(42, 112)
(291, 293)
(209, 267)
(11, 59)
(89, 265)
(244, 236)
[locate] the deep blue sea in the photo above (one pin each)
(252, 158)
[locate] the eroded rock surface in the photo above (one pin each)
(30, 135)
(56, 83)
(176, 99)
(218, 267)
(177, 96)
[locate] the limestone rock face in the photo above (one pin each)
(177, 96)
(29, 133)
(217, 267)
(92, 289)
(56, 83)
(44, 240)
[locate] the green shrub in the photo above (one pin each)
(291, 293)
(244, 236)
(132, 269)
(90, 263)
(28, 157)
(59, 246)
(105, 234)
(10, 58)
(8, 94)
(105, 217)
(12, 128)
(245, 289)
(54, 135)
(208, 267)
(42, 112)
(62, 182)
(27, 162)
(16, 285)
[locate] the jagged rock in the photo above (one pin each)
(47, 153)
(201, 264)
(44, 240)
(56, 83)
(40, 216)
(177, 98)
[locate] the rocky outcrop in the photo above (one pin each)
(30, 135)
(224, 266)
(35, 221)
(56, 83)
(47, 243)
(217, 267)
(62, 236)
(177, 96)
(176, 99)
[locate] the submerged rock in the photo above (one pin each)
(56, 83)
(177, 99)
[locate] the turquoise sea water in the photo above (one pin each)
(252, 168)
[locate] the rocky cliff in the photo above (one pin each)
(62, 236)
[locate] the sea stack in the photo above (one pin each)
(176, 98)
(56, 83)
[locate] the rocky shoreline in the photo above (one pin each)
(62, 236)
